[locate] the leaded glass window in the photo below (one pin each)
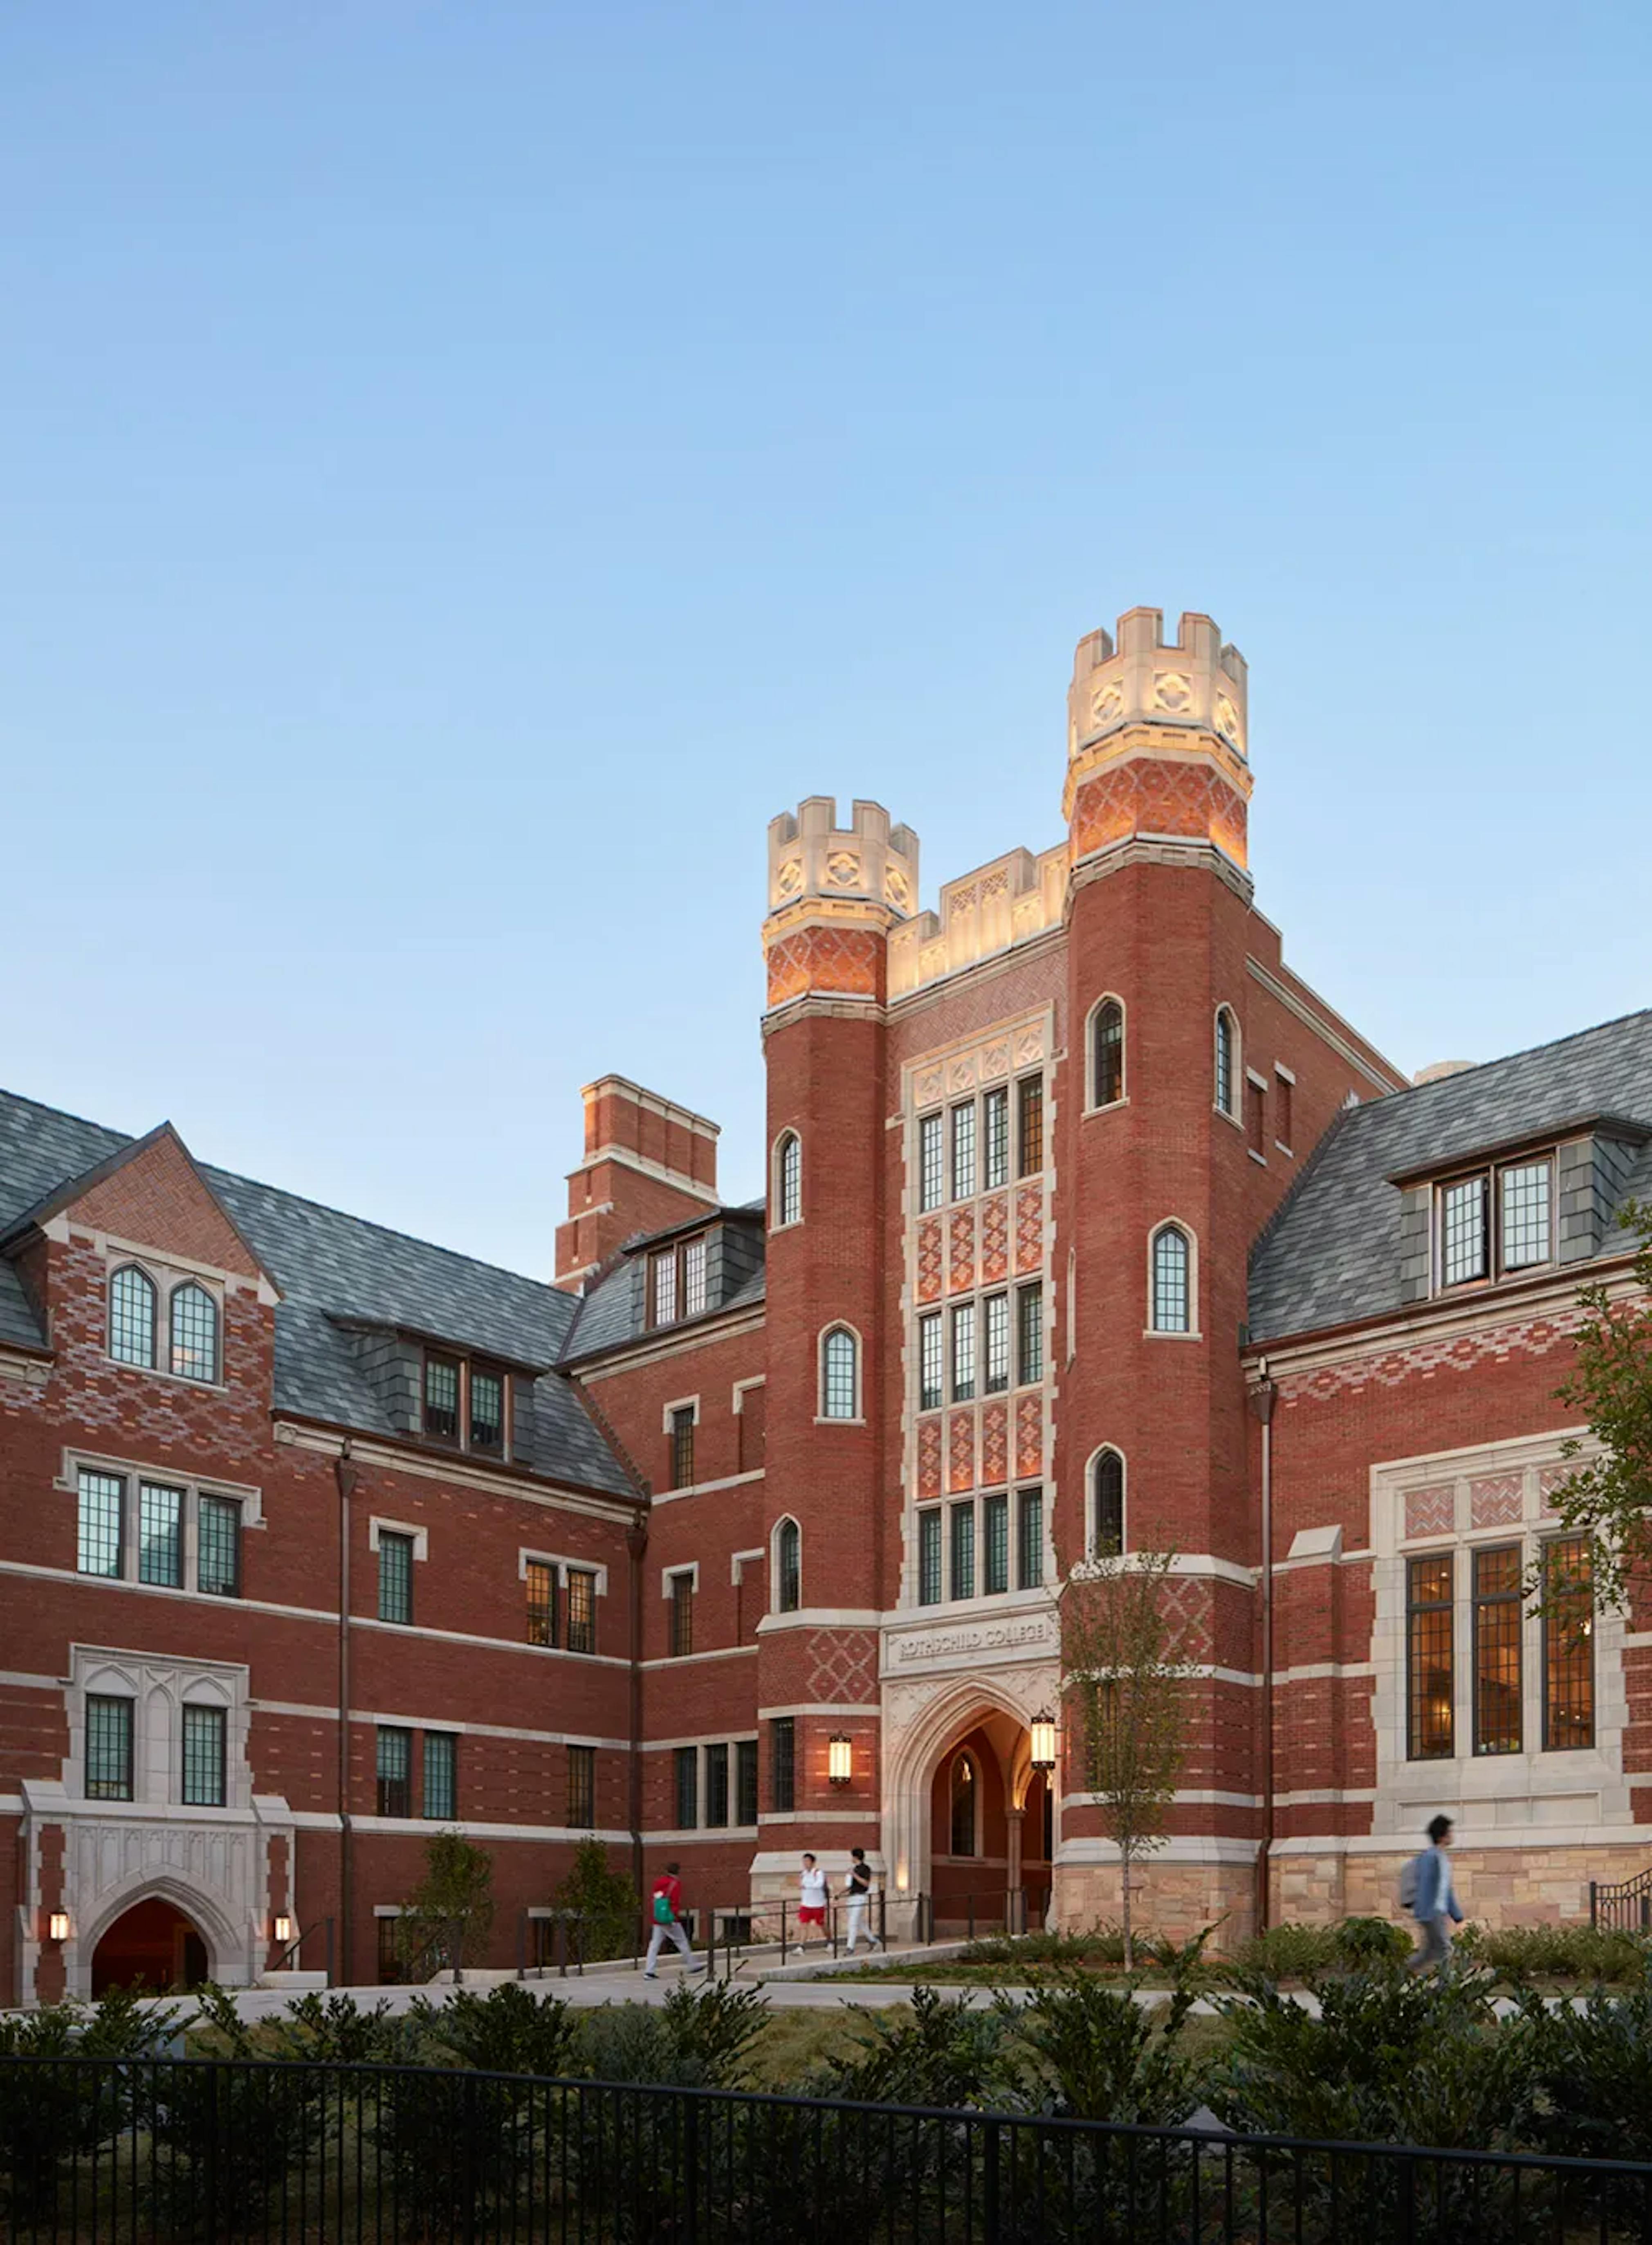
(108, 1747)
(582, 1788)
(782, 1763)
(1462, 1231)
(440, 1776)
(745, 1780)
(217, 1554)
(1227, 1062)
(395, 1767)
(1431, 1680)
(682, 1615)
(394, 1577)
(1525, 1191)
(995, 1523)
(682, 1447)
(995, 1113)
(997, 1367)
(442, 1398)
(1109, 1054)
(541, 1577)
(688, 1766)
(1171, 1303)
(1568, 1645)
(930, 1171)
(929, 1557)
(1497, 1649)
(131, 1317)
(694, 1279)
(160, 1541)
(963, 1550)
(789, 1552)
(487, 1410)
(716, 1787)
(964, 1352)
(204, 1772)
(964, 1151)
(103, 1504)
(839, 1380)
(1029, 1570)
(1029, 1311)
(662, 1277)
(1109, 1505)
(790, 1168)
(582, 1611)
(1031, 1091)
(931, 1368)
(193, 1318)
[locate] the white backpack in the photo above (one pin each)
(1409, 1879)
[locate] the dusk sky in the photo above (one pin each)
(464, 468)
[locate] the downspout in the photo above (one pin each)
(1262, 1399)
(636, 1545)
(346, 1474)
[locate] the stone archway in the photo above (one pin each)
(983, 1717)
(153, 1945)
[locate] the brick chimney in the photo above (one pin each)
(649, 1163)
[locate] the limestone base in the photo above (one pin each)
(1496, 1886)
(1174, 1898)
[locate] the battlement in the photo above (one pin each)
(867, 862)
(998, 905)
(1191, 682)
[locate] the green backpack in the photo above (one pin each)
(664, 1913)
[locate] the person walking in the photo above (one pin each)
(1426, 1890)
(666, 1910)
(811, 1902)
(857, 1892)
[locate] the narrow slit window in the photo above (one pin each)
(783, 1764)
(1109, 1505)
(995, 1115)
(997, 1368)
(395, 1767)
(1029, 1342)
(931, 1162)
(840, 1381)
(790, 1168)
(394, 1577)
(929, 1557)
(1031, 1093)
(746, 1782)
(682, 1447)
(682, 1615)
(686, 1761)
(996, 1556)
(1109, 1054)
(963, 1550)
(716, 1787)
(963, 1152)
(1227, 1086)
(582, 1788)
(964, 1352)
(1029, 1572)
(930, 1362)
(790, 1585)
(1172, 1306)
(694, 1279)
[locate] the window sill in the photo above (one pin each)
(1110, 1107)
(172, 1379)
(1280, 1147)
(821, 1420)
(1260, 1160)
(1153, 1332)
(1226, 1116)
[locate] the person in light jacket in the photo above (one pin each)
(1434, 1906)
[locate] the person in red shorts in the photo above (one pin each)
(811, 1907)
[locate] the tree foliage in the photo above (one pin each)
(1608, 1498)
(601, 1903)
(449, 1914)
(1123, 1684)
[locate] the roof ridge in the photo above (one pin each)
(1500, 1059)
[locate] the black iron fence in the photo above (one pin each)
(1623, 1907)
(203, 2153)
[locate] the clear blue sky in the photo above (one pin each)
(465, 467)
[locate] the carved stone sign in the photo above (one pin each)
(970, 1643)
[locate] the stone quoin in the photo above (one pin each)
(743, 1534)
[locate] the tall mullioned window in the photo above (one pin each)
(1227, 1086)
(108, 1747)
(1029, 1340)
(441, 1801)
(1497, 1649)
(931, 1366)
(131, 1317)
(995, 1556)
(997, 1366)
(929, 1557)
(682, 1447)
(1568, 1645)
(218, 1569)
(788, 1552)
(1495, 1222)
(783, 1764)
(395, 1767)
(840, 1381)
(1029, 1561)
(1030, 1097)
(682, 1615)
(394, 1577)
(716, 1787)
(102, 1503)
(931, 1162)
(160, 1539)
(694, 1279)
(1172, 1299)
(204, 1757)
(963, 1550)
(789, 1177)
(442, 1398)
(1107, 1080)
(540, 1577)
(193, 1316)
(995, 1115)
(746, 1782)
(963, 1152)
(1108, 1534)
(582, 1611)
(582, 1788)
(964, 1352)
(1430, 1669)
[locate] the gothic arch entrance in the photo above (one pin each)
(969, 1822)
(153, 1945)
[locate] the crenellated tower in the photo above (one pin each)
(834, 895)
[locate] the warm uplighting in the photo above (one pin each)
(59, 1926)
(1043, 1740)
(840, 1758)
(283, 1929)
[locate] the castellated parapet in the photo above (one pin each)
(1157, 736)
(834, 894)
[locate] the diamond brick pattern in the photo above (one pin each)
(960, 1451)
(1146, 797)
(929, 1260)
(1029, 1228)
(1431, 1511)
(928, 1457)
(1552, 1479)
(995, 1444)
(846, 960)
(995, 1237)
(1496, 1501)
(961, 1262)
(1029, 1435)
(1536, 1337)
(842, 1666)
(1186, 1607)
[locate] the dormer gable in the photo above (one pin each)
(150, 1195)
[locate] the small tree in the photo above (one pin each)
(1123, 1681)
(449, 1916)
(601, 1900)
(1608, 1500)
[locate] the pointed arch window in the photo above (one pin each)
(1171, 1291)
(1107, 1515)
(788, 1566)
(966, 1789)
(840, 1376)
(1107, 1041)
(131, 1317)
(193, 1315)
(788, 1179)
(1227, 1061)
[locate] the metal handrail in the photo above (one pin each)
(297, 1943)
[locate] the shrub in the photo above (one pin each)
(48, 2115)
(1592, 2062)
(224, 2140)
(1101, 2056)
(601, 1902)
(941, 2053)
(337, 2031)
(510, 2029)
(1287, 1952)
(1562, 1952)
(1362, 1941)
(698, 2038)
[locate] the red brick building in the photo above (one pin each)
(1088, 1225)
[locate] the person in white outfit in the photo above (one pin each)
(811, 1902)
(857, 1892)
(666, 1903)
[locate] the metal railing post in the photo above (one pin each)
(990, 2185)
(1595, 1907)
(784, 1907)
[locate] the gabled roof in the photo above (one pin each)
(73, 1190)
(328, 1267)
(1331, 1254)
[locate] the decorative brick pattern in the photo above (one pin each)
(840, 961)
(1552, 1479)
(995, 1444)
(929, 1257)
(1497, 1502)
(1029, 1435)
(961, 1266)
(1537, 1337)
(1029, 1228)
(928, 1457)
(1431, 1511)
(843, 1665)
(960, 1451)
(1145, 796)
(995, 1238)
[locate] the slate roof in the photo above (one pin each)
(1331, 1254)
(612, 1312)
(327, 1266)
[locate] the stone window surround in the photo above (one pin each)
(1103, 1451)
(158, 1687)
(528, 1556)
(779, 1222)
(380, 1524)
(822, 1417)
(1092, 1105)
(1191, 1332)
(250, 1499)
(772, 1555)
(1235, 1113)
(165, 1276)
(1539, 1790)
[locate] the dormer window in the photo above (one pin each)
(465, 1403)
(677, 1281)
(180, 1337)
(1495, 1221)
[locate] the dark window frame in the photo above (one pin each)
(1031, 1153)
(686, 1780)
(995, 1543)
(962, 1569)
(402, 1548)
(1554, 1654)
(1029, 1334)
(119, 1786)
(212, 1722)
(540, 1574)
(931, 1162)
(1426, 1634)
(439, 1739)
(1107, 1515)
(148, 1290)
(1029, 1537)
(675, 1257)
(463, 1433)
(788, 1566)
(680, 1620)
(582, 1788)
(714, 1805)
(783, 1764)
(995, 1354)
(931, 1590)
(1493, 1229)
(1492, 1638)
(394, 1741)
(745, 1784)
(186, 1294)
(931, 1360)
(580, 1590)
(1106, 1054)
(210, 1506)
(680, 1463)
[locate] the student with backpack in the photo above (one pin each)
(1426, 1891)
(857, 1892)
(665, 1908)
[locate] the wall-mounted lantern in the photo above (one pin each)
(59, 1925)
(283, 1929)
(1043, 1729)
(840, 1757)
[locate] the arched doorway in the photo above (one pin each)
(151, 1945)
(989, 1828)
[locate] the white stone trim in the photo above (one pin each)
(679, 1403)
(379, 1525)
(686, 1659)
(668, 1576)
(562, 1564)
(737, 1564)
(248, 1494)
(822, 1418)
(700, 1739)
(1151, 1332)
(737, 1404)
(825, 1617)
